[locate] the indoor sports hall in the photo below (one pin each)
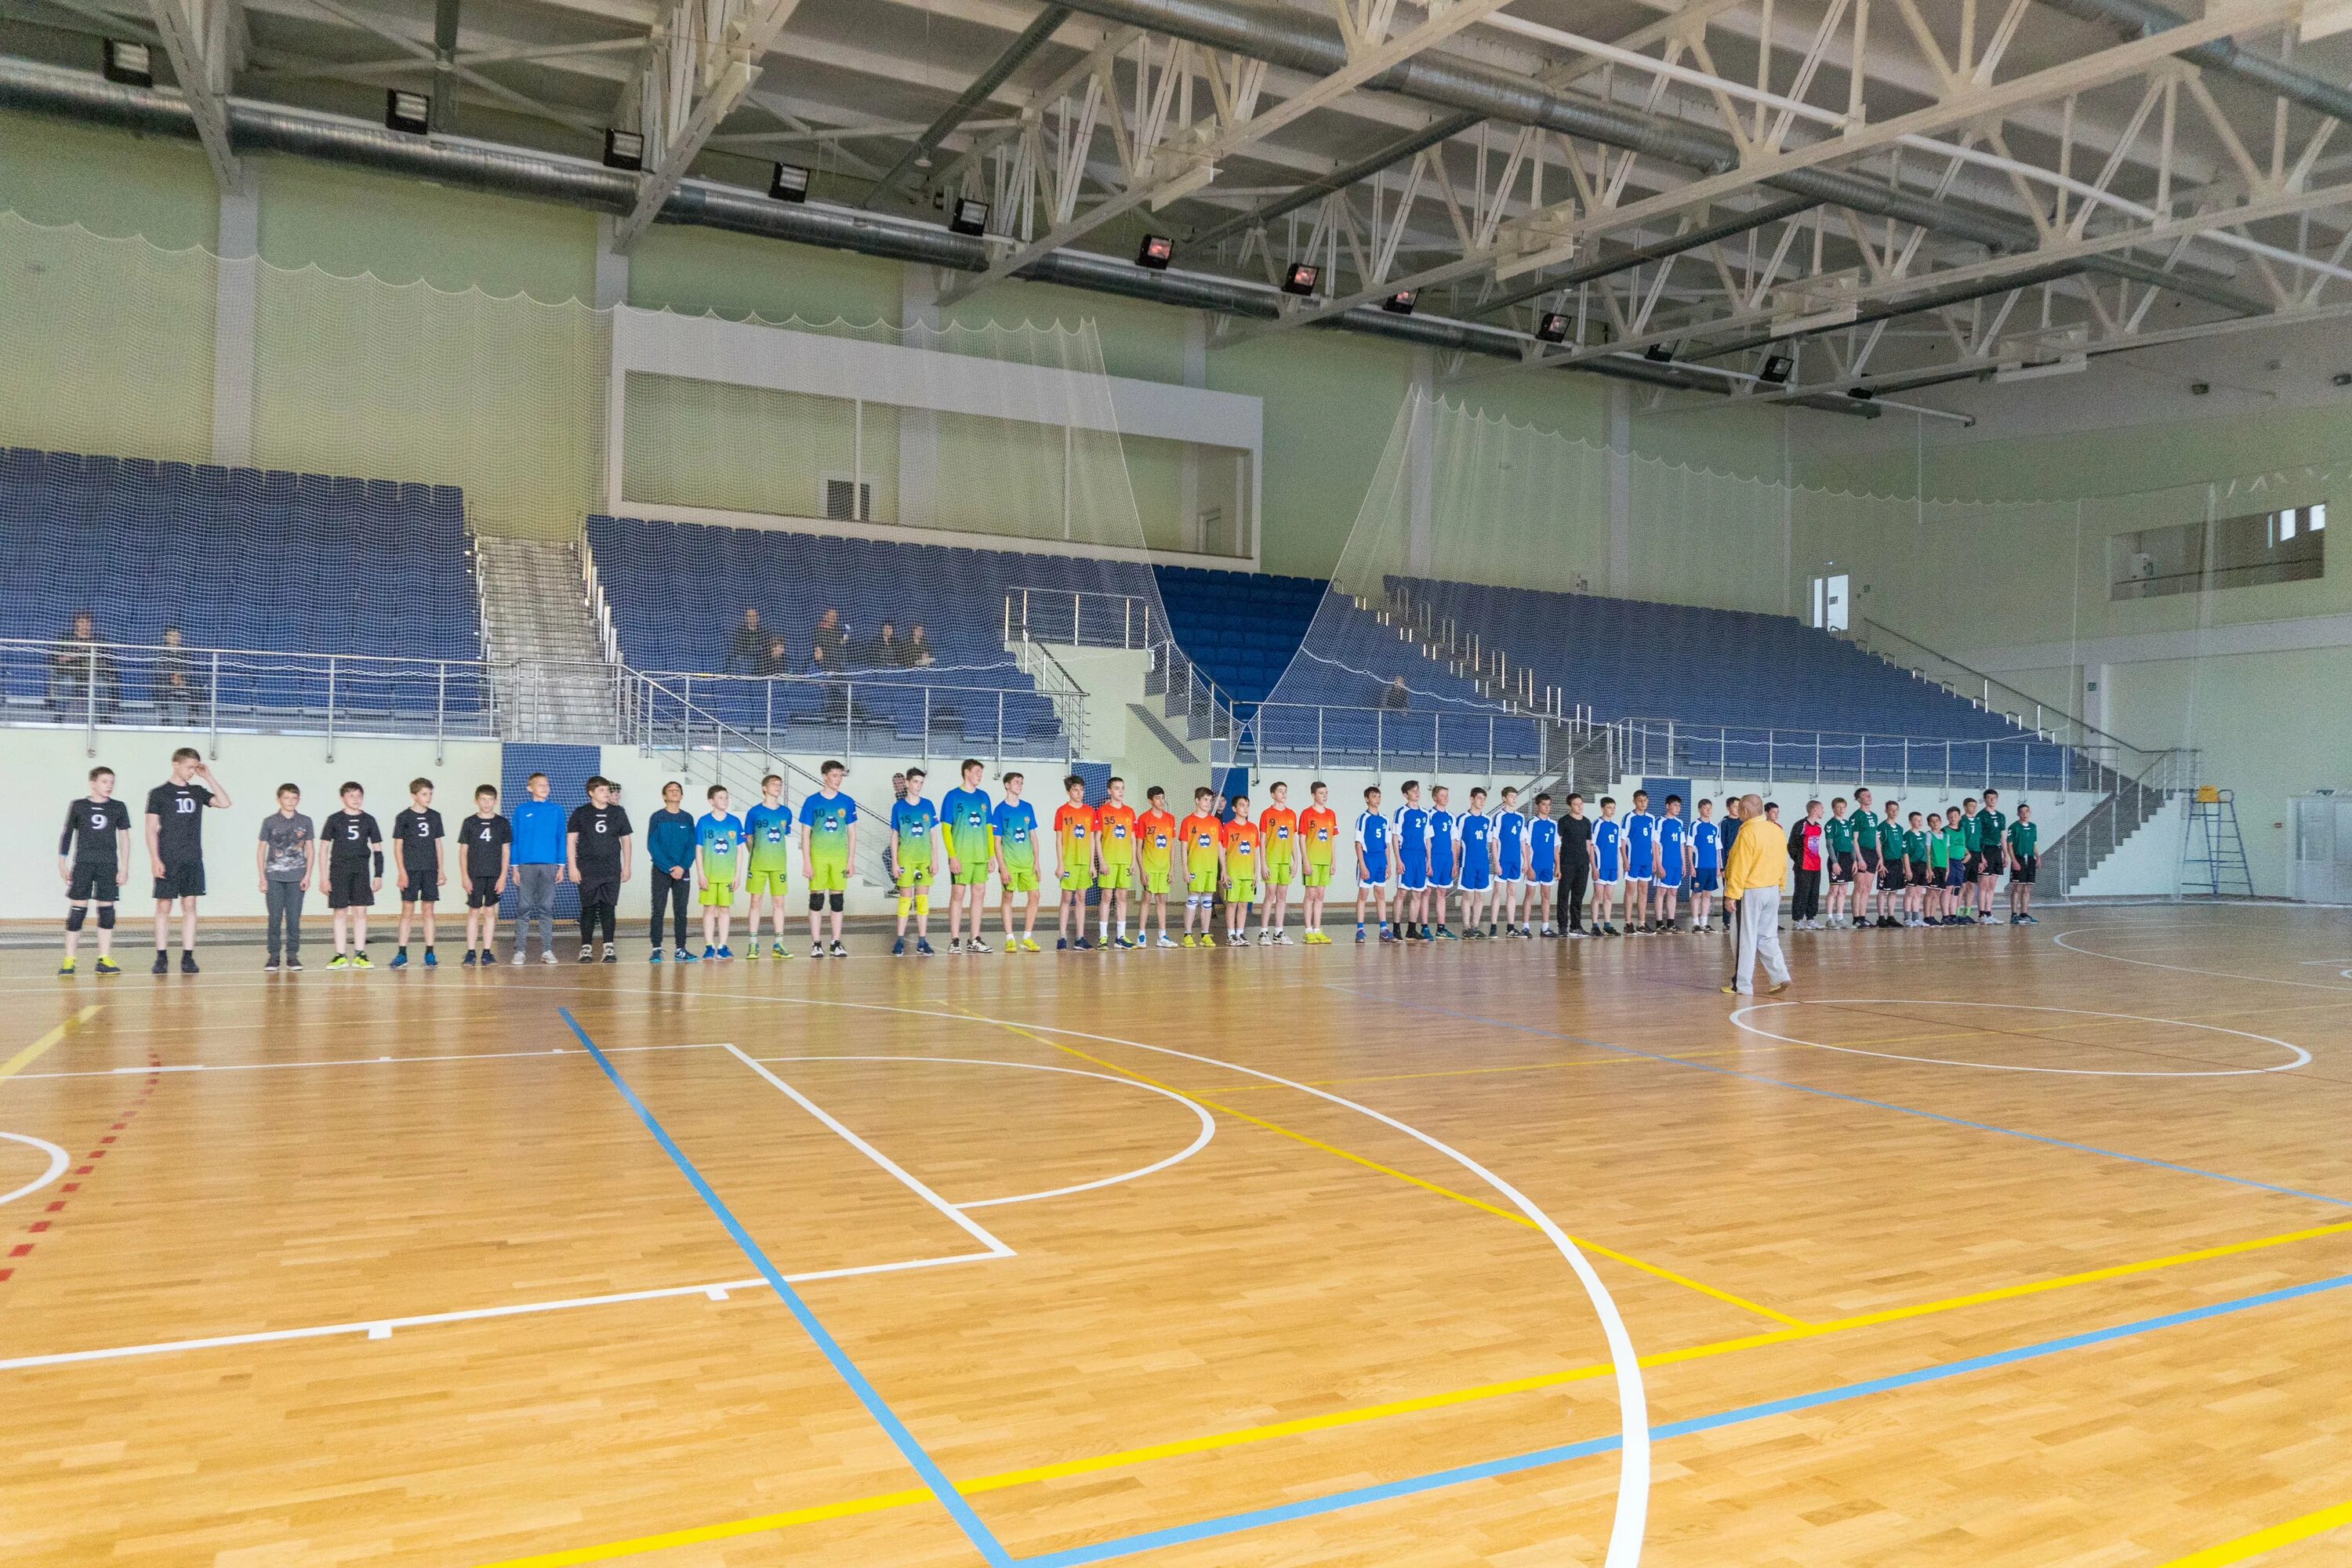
(1211, 783)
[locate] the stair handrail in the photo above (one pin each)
(1031, 613)
(598, 609)
(1490, 670)
(1057, 685)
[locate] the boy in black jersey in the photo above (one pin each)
(175, 847)
(351, 868)
(490, 861)
(424, 867)
(92, 853)
(598, 842)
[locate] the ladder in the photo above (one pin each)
(2212, 850)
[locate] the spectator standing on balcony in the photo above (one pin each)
(748, 643)
(1395, 697)
(829, 656)
(539, 834)
(181, 690)
(81, 672)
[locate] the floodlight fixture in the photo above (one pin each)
(1401, 303)
(1658, 354)
(1553, 328)
(788, 183)
(625, 150)
(1300, 278)
(406, 111)
(968, 216)
(1777, 370)
(131, 64)
(1155, 253)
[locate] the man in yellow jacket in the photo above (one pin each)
(1759, 865)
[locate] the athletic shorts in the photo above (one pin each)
(1671, 884)
(969, 867)
(1994, 861)
(1546, 879)
(482, 893)
(1077, 881)
(349, 886)
(718, 895)
(759, 880)
(1924, 875)
(1476, 881)
(1020, 879)
(1973, 867)
(599, 889)
(1376, 871)
(91, 884)
(1117, 874)
(184, 880)
(1200, 879)
(828, 876)
(1639, 868)
(1413, 879)
(1241, 889)
(1890, 877)
(1955, 875)
(1868, 856)
(1317, 874)
(423, 886)
(914, 875)
(1842, 867)
(1708, 880)
(2025, 868)
(1607, 874)
(1155, 880)
(1279, 873)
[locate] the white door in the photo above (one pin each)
(1830, 593)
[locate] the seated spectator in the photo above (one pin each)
(181, 690)
(1395, 697)
(773, 659)
(748, 643)
(81, 672)
(915, 652)
(829, 644)
(879, 651)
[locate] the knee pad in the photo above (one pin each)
(923, 903)
(905, 904)
(75, 916)
(105, 917)
(837, 898)
(816, 903)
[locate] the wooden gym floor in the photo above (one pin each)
(1995, 1247)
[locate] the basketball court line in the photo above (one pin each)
(59, 1161)
(1230, 1524)
(1858, 1100)
(2060, 938)
(2269, 1539)
(34, 1052)
(356, 1061)
(1740, 1016)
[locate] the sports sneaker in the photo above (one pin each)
(269, 966)
(162, 962)
(490, 957)
(431, 961)
(1028, 944)
(1360, 931)
(1207, 940)
(725, 951)
(1190, 940)
(816, 950)
(1166, 941)
(899, 948)
(2028, 920)
(708, 950)
(187, 962)
(837, 949)
(976, 945)
(65, 966)
(108, 966)
(548, 956)
(1061, 944)
(1080, 944)
(611, 953)
(1446, 933)
(472, 961)
(291, 962)
(778, 950)
(587, 952)
(752, 950)
(655, 956)
(399, 960)
(360, 960)
(685, 955)
(923, 947)
(340, 961)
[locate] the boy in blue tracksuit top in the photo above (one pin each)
(670, 845)
(538, 826)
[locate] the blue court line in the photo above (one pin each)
(883, 1417)
(1235, 1523)
(1857, 1100)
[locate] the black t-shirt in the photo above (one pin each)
(483, 836)
(418, 831)
(1575, 840)
(90, 828)
(601, 830)
(180, 807)
(351, 836)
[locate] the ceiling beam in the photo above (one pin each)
(696, 78)
(195, 35)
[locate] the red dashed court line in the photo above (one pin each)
(88, 1165)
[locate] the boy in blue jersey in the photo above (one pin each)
(1410, 832)
(1640, 864)
(964, 814)
(1706, 866)
(1510, 863)
(1013, 830)
(1608, 866)
(719, 866)
(1674, 861)
(1445, 856)
(828, 849)
(914, 832)
(768, 837)
(1372, 864)
(1543, 864)
(1474, 834)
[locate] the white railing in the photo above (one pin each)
(1073, 617)
(1057, 686)
(871, 717)
(1671, 749)
(601, 612)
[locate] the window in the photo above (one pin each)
(847, 503)
(2288, 545)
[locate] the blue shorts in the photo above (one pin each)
(1546, 879)
(1509, 871)
(1376, 871)
(1606, 876)
(1637, 868)
(1669, 884)
(1707, 879)
(1413, 879)
(1955, 875)
(1475, 878)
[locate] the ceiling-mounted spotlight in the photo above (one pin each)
(409, 112)
(1777, 370)
(1300, 278)
(968, 216)
(1155, 253)
(788, 183)
(625, 150)
(128, 63)
(1552, 329)
(1401, 303)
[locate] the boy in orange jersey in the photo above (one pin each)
(1278, 824)
(1319, 837)
(1244, 847)
(1200, 836)
(1155, 855)
(1073, 841)
(1115, 849)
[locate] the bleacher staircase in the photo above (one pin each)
(1576, 755)
(550, 680)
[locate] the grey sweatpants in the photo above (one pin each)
(1760, 937)
(538, 904)
(285, 920)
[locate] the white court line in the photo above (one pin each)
(383, 1328)
(1739, 1020)
(1208, 1122)
(2060, 938)
(59, 1161)
(969, 1225)
(361, 1061)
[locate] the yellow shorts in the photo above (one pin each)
(1076, 881)
(1318, 875)
(1020, 879)
(1155, 880)
(914, 876)
(718, 895)
(1203, 880)
(1116, 875)
(1278, 873)
(757, 882)
(829, 876)
(1241, 890)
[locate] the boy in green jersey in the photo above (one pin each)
(1939, 869)
(1894, 881)
(2024, 865)
(1865, 857)
(1992, 849)
(768, 834)
(914, 830)
(1837, 836)
(1012, 825)
(828, 844)
(970, 841)
(718, 863)
(1972, 862)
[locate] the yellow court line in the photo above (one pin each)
(1358, 1415)
(40, 1047)
(1514, 1216)
(2269, 1540)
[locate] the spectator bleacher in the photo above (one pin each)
(1243, 627)
(239, 559)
